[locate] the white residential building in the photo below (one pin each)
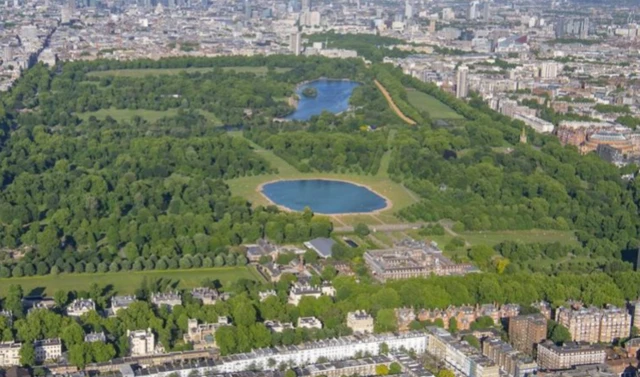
(121, 302)
(10, 354)
(47, 349)
(360, 322)
(331, 349)
(141, 342)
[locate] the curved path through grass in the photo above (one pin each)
(393, 105)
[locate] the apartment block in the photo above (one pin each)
(594, 325)
(553, 357)
(511, 361)
(526, 331)
(459, 356)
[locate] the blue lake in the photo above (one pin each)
(333, 96)
(323, 196)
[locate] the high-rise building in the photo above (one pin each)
(295, 43)
(408, 9)
(527, 330)
(432, 26)
(462, 85)
(306, 6)
(486, 11)
(472, 12)
(584, 28)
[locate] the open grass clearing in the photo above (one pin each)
(436, 109)
(175, 71)
(127, 282)
(248, 187)
(121, 115)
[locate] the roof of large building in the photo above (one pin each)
(321, 245)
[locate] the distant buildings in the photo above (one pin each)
(594, 325)
(141, 342)
(295, 43)
(360, 322)
(462, 84)
(80, 306)
(410, 259)
(527, 330)
(553, 357)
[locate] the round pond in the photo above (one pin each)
(331, 95)
(324, 196)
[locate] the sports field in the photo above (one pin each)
(436, 109)
(247, 187)
(128, 282)
(175, 71)
(120, 115)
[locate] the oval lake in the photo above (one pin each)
(333, 96)
(323, 196)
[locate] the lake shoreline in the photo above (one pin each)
(388, 202)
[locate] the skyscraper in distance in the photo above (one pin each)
(462, 86)
(295, 43)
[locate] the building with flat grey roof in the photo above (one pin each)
(553, 357)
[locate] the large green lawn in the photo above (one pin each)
(174, 71)
(128, 282)
(435, 108)
(121, 115)
(247, 187)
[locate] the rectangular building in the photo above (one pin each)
(553, 357)
(526, 331)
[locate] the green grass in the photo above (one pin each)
(248, 187)
(128, 282)
(121, 115)
(436, 109)
(175, 71)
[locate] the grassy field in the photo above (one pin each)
(435, 108)
(128, 282)
(149, 115)
(174, 71)
(247, 187)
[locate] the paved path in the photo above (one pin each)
(393, 105)
(382, 228)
